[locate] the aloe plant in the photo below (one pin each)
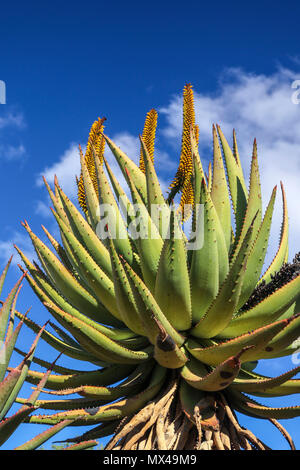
(174, 327)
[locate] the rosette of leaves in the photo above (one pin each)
(173, 325)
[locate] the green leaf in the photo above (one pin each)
(237, 186)
(281, 254)
(266, 311)
(172, 286)
(125, 163)
(198, 376)
(40, 439)
(150, 313)
(114, 411)
(221, 311)
(204, 270)
(219, 192)
(216, 352)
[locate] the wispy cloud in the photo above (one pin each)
(12, 152)
(7, 249)
(42, 209)
(10, 123)
(67, 166)
(10, 118)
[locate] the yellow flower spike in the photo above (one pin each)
(187, 199)
(95, 145)
(148, 136)
(80, 189)
(196, 130)
(95, 139)
(182, 180)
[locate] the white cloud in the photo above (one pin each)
(256, 106)
(43, 209)
(67, 167)
(22, 241)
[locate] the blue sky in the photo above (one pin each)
(65, 64)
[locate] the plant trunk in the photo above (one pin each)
(164, 425)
